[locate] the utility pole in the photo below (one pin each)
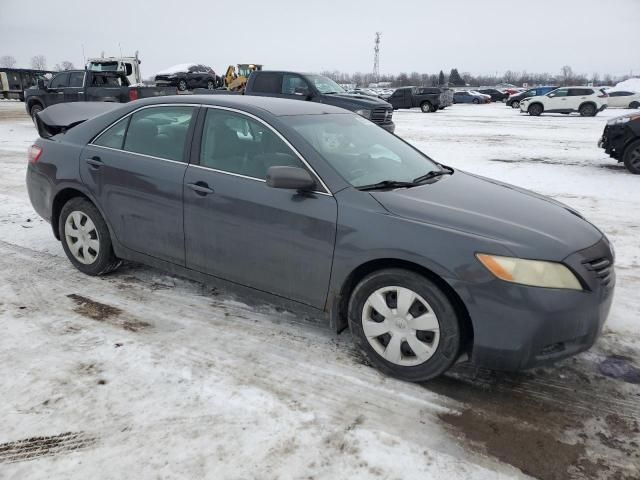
(376, 58)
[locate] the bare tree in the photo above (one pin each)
(39, 62)
(7, 61)
(567, 74)
(66, 65)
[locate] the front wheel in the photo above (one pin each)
(211, 85)
(535, 110)
(404, 324)
(631, 157)
(634, 105)
(34, 110)
(515, 104)
(182, 85)
(476, 101)
(85, 238)
(426, 107)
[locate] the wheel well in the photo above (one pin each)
(33, 102)
(62, 197)
(365, 269)
(588, 103)
(535, 103)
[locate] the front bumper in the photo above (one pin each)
(389, 127)
(613, 140)
(518, 327)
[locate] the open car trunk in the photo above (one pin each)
(64, 116)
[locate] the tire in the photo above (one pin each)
(515, 104)
(476, 101)
(89, 259)
(587, 110)
(211, 85)
(182, 85)
(631, 157)
(35, 108)
(535, 110)
(426, 107)
(436, 349)
(634, 105)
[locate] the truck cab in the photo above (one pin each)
(317, 88)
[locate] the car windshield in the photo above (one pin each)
(361, 152)
(324, 84)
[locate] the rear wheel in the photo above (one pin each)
(85, 238)
(426, 107)
(587, 110)
(182, 85)
(535, 110)
(634, 105)
(476, 101)
(404, 324)
(631, 157)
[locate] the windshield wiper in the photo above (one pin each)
(433, 174)
(386, 184)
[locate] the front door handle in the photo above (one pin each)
(95, 162)
(201, 188)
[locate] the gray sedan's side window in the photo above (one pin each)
(235, 143)
(114, 136)
(159, 132)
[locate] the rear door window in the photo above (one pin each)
(561, 92)
(159, 132)
(114, 136)
(267, 82)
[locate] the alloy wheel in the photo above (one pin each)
(400, 326)
(82, 237)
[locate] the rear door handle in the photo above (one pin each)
(201, 188)
(95, 162)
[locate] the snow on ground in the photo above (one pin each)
(141, 374)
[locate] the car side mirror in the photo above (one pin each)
(551, 95)
(290, 178)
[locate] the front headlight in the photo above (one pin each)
(364, 113)
(535, 273)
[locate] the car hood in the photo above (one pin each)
(354, 101)
(528, 224)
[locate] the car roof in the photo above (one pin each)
(251, 104)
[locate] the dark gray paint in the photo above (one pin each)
(305, 247)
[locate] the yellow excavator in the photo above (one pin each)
(236, 80)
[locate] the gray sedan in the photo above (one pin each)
(317, 205)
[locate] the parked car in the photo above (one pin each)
(320, 89)
(426, 98)
(623, 99)
(86, 86)
(515, 99)
(309, 203)
(587, 101)
(188, 76)
(621, 140)
(465, 96)
(496, 95)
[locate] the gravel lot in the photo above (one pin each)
(140, 374)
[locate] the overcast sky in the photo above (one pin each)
(486, 36)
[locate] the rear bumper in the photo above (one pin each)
(518, 327)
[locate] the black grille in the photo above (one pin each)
(601, 268)
(381, 115)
